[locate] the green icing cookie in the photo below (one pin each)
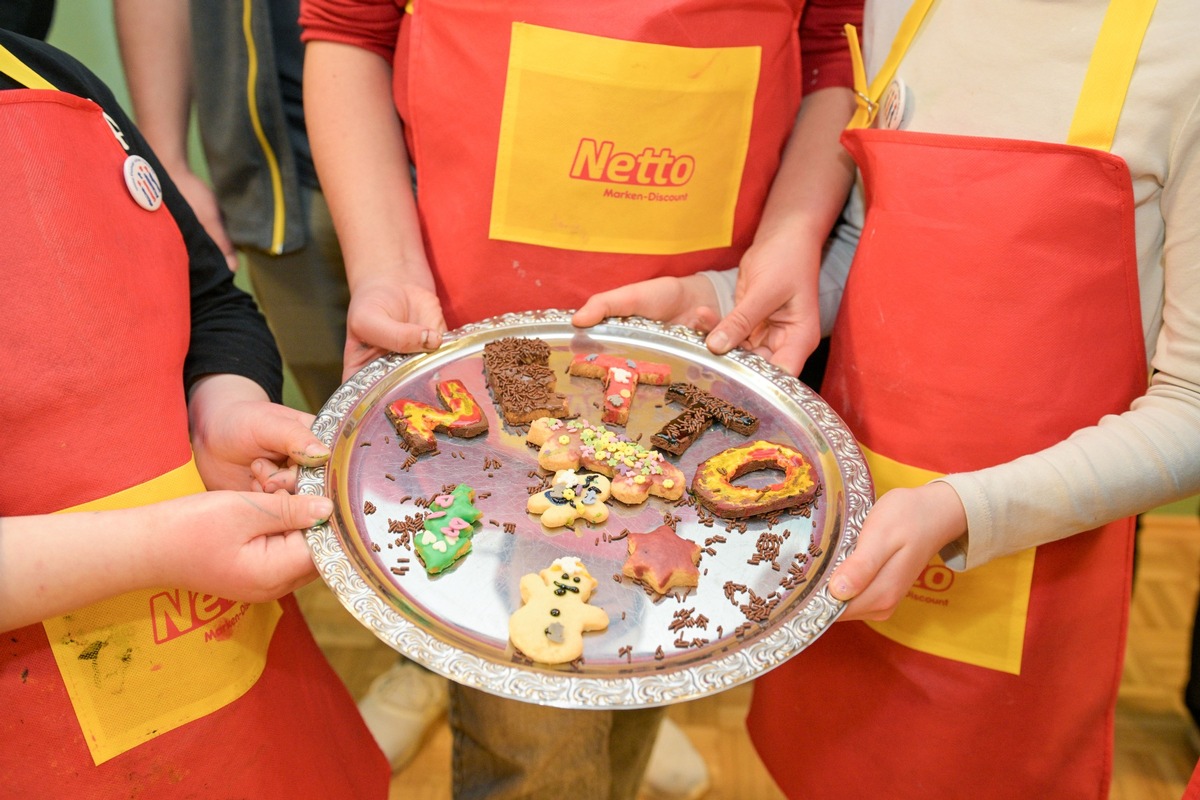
(449, 527)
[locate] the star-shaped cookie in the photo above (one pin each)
(661, 559)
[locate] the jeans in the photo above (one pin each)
(507, 749)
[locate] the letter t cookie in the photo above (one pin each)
(621, 377)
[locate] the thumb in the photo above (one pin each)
(393, 322)
(296, 512)
(289, 431)
(591, 312)
(624, 301)
(854, 575)
(755, 306)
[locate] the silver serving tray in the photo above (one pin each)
(655, 651)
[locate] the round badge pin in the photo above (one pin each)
(892, 106)
(142, 183)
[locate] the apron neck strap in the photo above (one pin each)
(16, 69)
(1104, 86)
(866, 96)
(1109, 73)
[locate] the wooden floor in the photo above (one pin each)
(1155, 750)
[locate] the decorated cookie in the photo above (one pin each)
(554, 615)
(701, 409)
(448, 529)
(662, 559)
(572, 495)
(713, 483)
(416, 422)
(621, 377)
(635, 471)
(522, 383)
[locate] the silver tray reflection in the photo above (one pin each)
(678, 647)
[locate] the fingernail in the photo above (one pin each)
(840, 588)
(430, 339)
(718, 342)
(316, 450)
(320, 508)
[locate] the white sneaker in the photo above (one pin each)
(401, 707)
(676, 770)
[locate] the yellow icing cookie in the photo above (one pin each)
(570, 497)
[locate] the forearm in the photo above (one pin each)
(815, 174)
(54, 563)
(208, 394)
(1126, 465)
(362, 161)
(155, 45)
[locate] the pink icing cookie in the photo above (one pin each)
(621, 376)
(662, 560)
(635, 472)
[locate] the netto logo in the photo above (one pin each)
(178, 612)
(599, 161)
(935, 578)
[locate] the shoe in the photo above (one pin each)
(401, 707)
(676, 770)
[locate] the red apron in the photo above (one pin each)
(609, 141)
(92, 345)
(1193, 788)
(991, 310)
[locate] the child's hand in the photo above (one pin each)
(902, 532)
(387, 315)
(689, 301)
(233, 425)
(239, 545)
(776, 314)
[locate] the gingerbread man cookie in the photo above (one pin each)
(448, 529)
(570, 497)
(554, 615)
(635, 472)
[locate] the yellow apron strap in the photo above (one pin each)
(868, 96)
(16, 69)
(1109, 73)
(1104, 86)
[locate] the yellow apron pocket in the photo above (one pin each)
(976, 617)
(621, 147)
(146, 662)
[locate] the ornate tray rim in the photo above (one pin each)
(565, 689)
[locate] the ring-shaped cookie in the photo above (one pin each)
(714, 485)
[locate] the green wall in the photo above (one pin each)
(84, 28)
